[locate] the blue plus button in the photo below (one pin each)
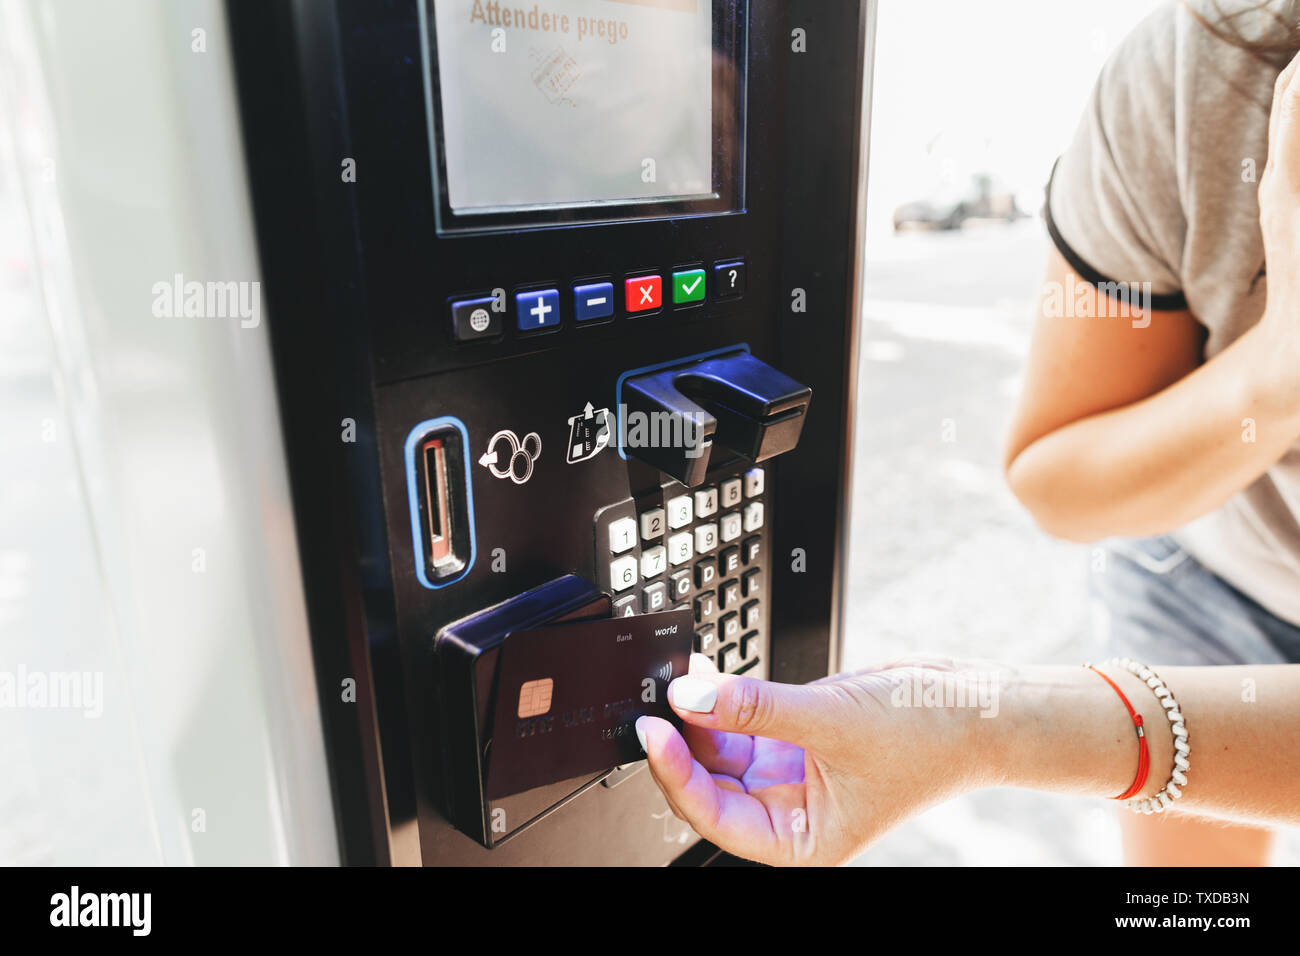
(537, 310)
(595, 301)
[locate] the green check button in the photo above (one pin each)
(688, 286)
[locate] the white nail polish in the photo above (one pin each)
(693, 694)
(640, 735)
(700, 663)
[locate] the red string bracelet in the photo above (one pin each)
(1144, 756)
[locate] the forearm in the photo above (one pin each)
(1154, 465)
(1065, 729)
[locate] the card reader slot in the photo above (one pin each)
(442, 508)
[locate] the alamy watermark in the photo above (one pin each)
(53, 690)
(918, 687)
(177, 298)
(1077, 299)
(637, 429)
(76, 908)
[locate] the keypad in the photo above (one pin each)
(699, 549)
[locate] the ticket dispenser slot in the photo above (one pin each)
(734, 400)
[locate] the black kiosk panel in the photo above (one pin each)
(564, 325)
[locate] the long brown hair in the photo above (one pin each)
(1273, 37)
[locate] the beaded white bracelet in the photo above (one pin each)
(1163, 800)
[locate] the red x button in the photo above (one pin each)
(642, 293)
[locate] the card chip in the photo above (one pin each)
(535, 697)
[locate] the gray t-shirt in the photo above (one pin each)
(1160, 185)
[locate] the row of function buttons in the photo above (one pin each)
(538, 310)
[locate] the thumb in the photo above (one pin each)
(745, 705)
(1284, 121)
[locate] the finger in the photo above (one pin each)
(702, 666)
(745, 705)
(1286, 109)
(729, 818)
(720, 752)
(717, 752)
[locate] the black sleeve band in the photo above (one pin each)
(1160, 302)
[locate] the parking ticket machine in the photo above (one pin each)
(562, 296)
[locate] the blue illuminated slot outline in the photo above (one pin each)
(412, 490)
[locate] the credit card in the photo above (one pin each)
(568, 696)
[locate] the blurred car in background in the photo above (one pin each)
(983, 198)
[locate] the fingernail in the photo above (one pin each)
(640, 734)
(700, 662)
(693, 694)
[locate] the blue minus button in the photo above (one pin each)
(595, 301)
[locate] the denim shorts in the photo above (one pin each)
(1154, 602)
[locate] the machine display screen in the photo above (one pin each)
(547, 105)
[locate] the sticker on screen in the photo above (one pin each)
(574, 102)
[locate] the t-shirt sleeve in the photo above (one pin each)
(1114, 208)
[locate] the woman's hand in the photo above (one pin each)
(1279, 219)
(811, 774)
(782, 773)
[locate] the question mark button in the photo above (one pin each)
(729, 279)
